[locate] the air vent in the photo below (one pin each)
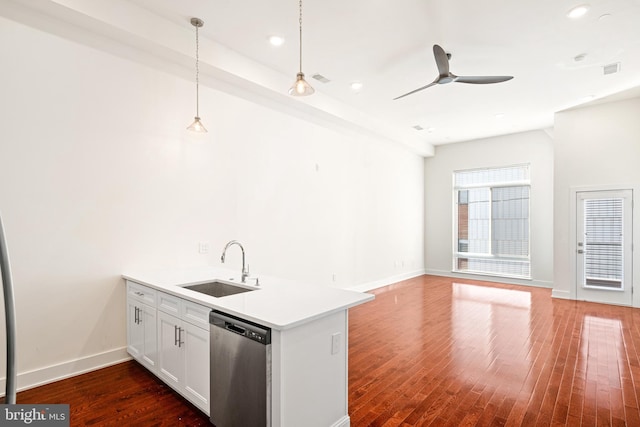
(418, 127)
(321, 78)
(611, 68)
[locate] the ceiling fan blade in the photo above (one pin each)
(441, 60)
(480, 80)
(417, 90)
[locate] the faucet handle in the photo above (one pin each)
(247, 276)
(256, 278)
(245, 273)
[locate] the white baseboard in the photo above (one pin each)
(561, 294)
(342, 422)
(49, 374)
(483, 278)
(364, 287)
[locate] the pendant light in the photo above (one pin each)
(301, 87)
(197, 125)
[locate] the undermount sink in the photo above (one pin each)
(218, 289)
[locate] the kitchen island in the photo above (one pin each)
(309, 342)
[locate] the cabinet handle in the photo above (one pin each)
(135, 316)
(177, 336)
(140, 294)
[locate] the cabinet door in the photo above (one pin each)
(135, 331)
(150, 348)
(170, 364)
(196, 365)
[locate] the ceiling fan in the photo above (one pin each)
(445, 76)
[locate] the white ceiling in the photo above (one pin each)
(388, 47)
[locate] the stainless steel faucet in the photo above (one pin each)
(245, 269)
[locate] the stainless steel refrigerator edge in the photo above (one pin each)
(10, 316)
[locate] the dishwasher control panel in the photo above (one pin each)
(256, 336)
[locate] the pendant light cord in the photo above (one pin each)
(197, 73)
(300, 22)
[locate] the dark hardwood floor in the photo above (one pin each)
(433, 351)
(121, 395)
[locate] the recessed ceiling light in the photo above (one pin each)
(578, 11)
(500, 116)
(356, 86)
(276, 40)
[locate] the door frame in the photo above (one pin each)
(573, 211)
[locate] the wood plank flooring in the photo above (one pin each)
(433, 351)
(121, 395)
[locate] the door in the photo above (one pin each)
(135, 331)
(170, 349)
(196, 365)
(604, 246)
(149, 352)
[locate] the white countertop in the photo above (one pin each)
(277, 303)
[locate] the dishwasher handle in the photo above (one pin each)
(242, 327)
(235, 328)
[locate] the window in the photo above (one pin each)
(492, 221)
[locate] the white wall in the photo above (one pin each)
(98, 175)
(534, 148)
(595, 146)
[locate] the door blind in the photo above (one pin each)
(603, 235)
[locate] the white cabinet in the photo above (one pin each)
(170, 342)
(183, 343)
(141, 325)
(196, 356)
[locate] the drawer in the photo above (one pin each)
(188, 311)
(195, 314)
(169, 303)
(141, 293)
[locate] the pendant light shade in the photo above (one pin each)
(197, 125)
(300, 87)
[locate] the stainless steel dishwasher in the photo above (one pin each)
(240, 372)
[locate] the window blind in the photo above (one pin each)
(603, 219)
